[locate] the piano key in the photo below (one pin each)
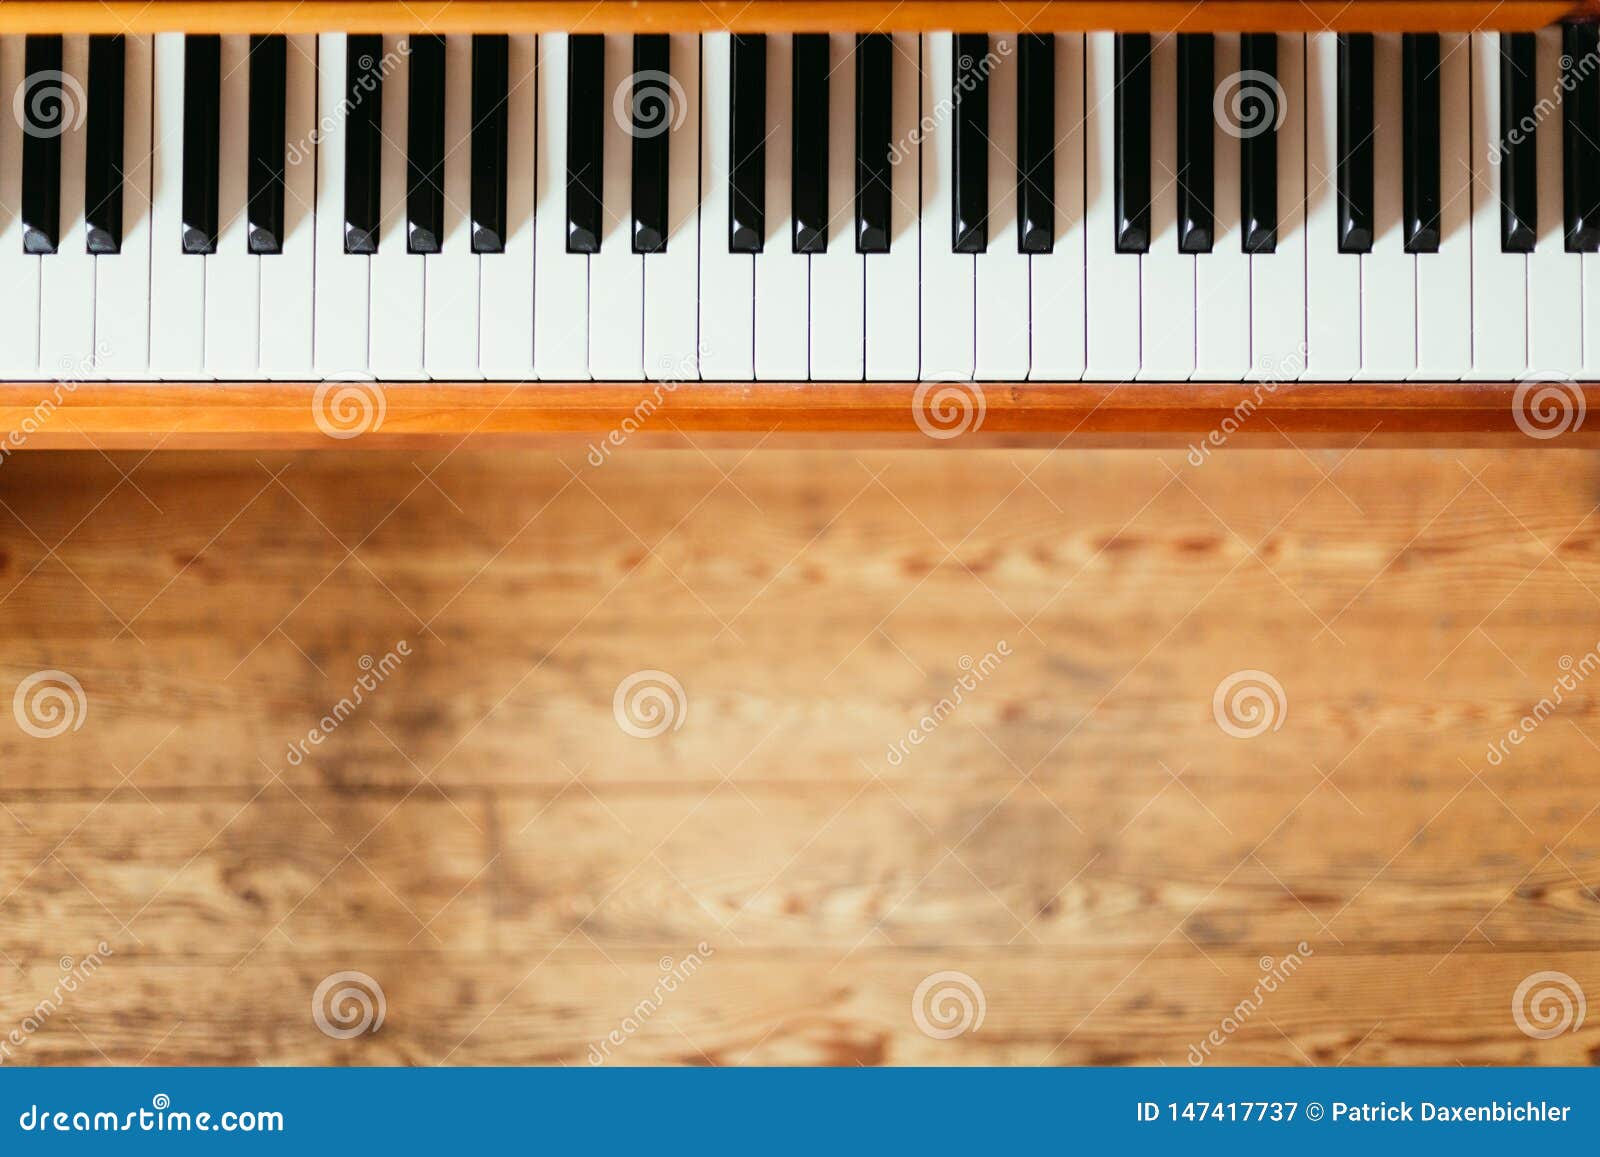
(66, 278)
(1112, 350)
(1196, 127)
(1420, 166)
(1388, 272)
(1517, 156)
(425, 134)
(586, 111)
(970, 105)
(361, 73)
(1036, 140)
(891, 292)
(1056, 297)
(1580, 122)
(49, 105)
(1278, 278)
(782, 275)
(122, 282)
(397, 275)
(560, 278)
(1502, 231)
(616, 272)
(269, 102)
(505, 342)
(727, 274)
(490, 89)
(1255, 111)
(1444, 277)
(875, 68)
(340, 299)
(1555, 276)
(177, 279)
(1132, 134)
(233, 273)
(652, 109)
(450, 276)
(672, 275)
(1355, 128)
(1222, 276)
(1166, 273)
(288, 282)
(1333, 275)
(201, 128)
(746, 165)
(809, 163)
(948, 278)
(102, 193)
(838, 319)
(1001, 295)
(19, 270)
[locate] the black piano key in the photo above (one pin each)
(1580, 119)
(1036, 139)
(425, 147)
(809, 181)
(264, 182)
(1258, 142)
(969, 217)
(652, 113)
(1196, 157)
(874, 132)
(1354, 178)
(47, 112)
(491, 88)
(587, 108)
(363, 142)
(1519, 172)
(202, 100)
(1131, 184)
(102, 178)
(747, 159)
(1419, 80)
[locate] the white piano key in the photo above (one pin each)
(672, 279)
(177, 279)
(341, 278)
(1278, 279)
(122, 280)
(1388, 273)
(727, 280)
(1057, 297)
(450, 293)
(397, 276)
(1555, 277)
(949, 279)
(1113, 278)
(838, 277)
(288, 278)
(505, 326)
(1333, 279)
(560, 279)
(1002, 269)
(891, 302)
(1166, 276)
(233, 273)
(1444, 279)
(782, 275)
(1222, 277)
(1499, 279)
(19, 271)
(616, 273)
(66, 282)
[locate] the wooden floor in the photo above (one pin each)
(1078, 848)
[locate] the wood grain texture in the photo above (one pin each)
(1079, 836)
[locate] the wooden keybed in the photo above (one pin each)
(1203, 416)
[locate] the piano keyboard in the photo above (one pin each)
(835, 207)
